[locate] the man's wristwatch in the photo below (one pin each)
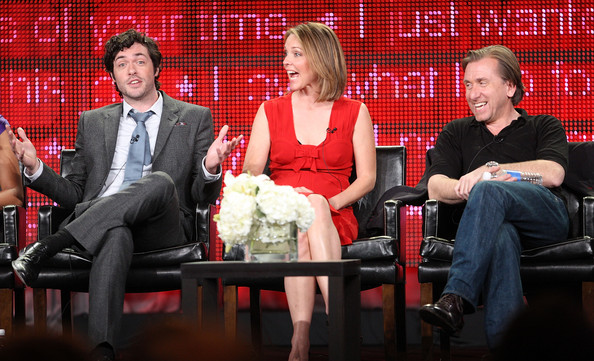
(491, 163)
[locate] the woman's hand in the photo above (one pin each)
(303, 190)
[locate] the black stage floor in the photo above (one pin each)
(376, 353)
(276, 334)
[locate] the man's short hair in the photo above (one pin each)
(509, 68)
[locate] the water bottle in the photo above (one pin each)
(533, 178)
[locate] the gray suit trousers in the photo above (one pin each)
(145, 216)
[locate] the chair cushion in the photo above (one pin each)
(172, 256)
(577, 248)
(153, 271)
(144, 279)
(436, 248)
(373, 248)
(433, 271)
(560, 271)
(533, 273)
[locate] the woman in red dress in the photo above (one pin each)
(313, 137)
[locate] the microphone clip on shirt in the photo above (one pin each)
(134, 139)
(331, 131)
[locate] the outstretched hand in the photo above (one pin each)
(24, 150)
(220, 150)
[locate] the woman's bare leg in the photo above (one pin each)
(324, 242)
(321, 242)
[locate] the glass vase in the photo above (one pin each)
(272, 243)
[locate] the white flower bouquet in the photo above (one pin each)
(255, 206)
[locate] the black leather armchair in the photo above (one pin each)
(382, 258)
(568, 265)
(13, 239)
(153, 271)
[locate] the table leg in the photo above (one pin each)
(190, 300)
(344, 310)
(210, 310)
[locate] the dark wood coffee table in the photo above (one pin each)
(344, 295)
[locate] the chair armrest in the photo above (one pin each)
(430, 218)
(441, 219)
(395, 225)
(205, 227)
(49, 219)
(14, 224)
(588, 214)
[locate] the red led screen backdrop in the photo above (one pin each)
(403, 60)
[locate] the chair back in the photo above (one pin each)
(66, 157)
(578, 183)
(390, 172)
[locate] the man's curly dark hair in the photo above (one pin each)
(125, 40)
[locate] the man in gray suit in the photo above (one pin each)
(114, 216)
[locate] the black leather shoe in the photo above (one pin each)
(103, 352)
(28, 265)
(447, 313)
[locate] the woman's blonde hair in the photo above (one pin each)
(326, 58)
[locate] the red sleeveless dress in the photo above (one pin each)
(325, 168)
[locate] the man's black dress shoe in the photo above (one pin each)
(28, 265)
(103, 352)
(447, 313)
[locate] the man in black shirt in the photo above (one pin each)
(502, 216)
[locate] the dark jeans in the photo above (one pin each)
(499, 221)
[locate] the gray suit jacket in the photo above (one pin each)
(185, 134)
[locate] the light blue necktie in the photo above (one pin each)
(139, 153)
